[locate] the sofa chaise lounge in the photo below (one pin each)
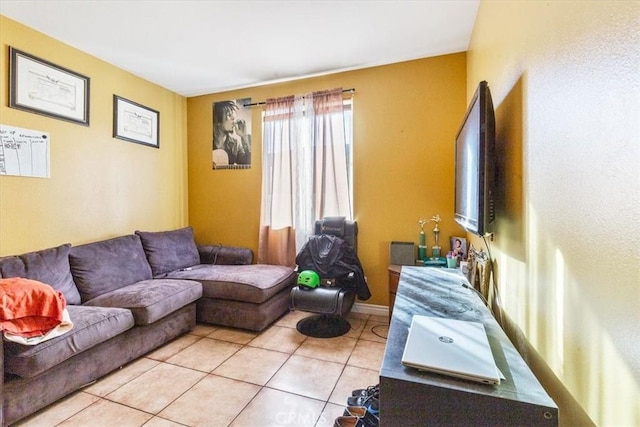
(127, 296)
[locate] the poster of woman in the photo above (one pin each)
(232, 134)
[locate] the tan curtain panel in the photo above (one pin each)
(305, 174)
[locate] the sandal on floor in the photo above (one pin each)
(370, 402)
(348, 421)
(368, 418)
(371, 390)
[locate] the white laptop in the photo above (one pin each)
(451, 347)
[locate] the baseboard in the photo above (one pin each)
(374, 310)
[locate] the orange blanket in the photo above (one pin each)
(29, 308)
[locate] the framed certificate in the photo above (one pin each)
(44, 88)
(135, 123)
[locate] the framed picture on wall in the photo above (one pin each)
(135, 123)
(40, 87)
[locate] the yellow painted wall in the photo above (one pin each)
(565, 79)
(99, 187)
(406, 116)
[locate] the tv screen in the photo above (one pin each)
(475, 165)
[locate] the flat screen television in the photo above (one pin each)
(475, 165)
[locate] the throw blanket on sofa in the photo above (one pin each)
(31, 311)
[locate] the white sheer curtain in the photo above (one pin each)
(305, 174)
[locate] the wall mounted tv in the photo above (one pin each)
(475, 165)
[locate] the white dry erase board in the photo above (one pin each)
(24, 152)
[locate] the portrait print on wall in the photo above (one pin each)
(232, 134)
(459, 247)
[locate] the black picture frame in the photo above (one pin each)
(134, 122)
(42, 87)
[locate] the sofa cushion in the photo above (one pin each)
(91, 326)
(224, 255)
(150, 300)
(169, 250)
(50, 266)
(104, 266)
(254, 283)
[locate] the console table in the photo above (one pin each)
(409, 397)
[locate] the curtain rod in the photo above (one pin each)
(352, 90)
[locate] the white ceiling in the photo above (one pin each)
(195, 47)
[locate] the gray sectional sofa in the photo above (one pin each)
(127, 296)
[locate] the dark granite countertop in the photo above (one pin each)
(438, 292)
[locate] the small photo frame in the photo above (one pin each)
(41, 87)
(134, 122)
(459, 247)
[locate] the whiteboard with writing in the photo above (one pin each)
(24, 152)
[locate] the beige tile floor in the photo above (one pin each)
(216, 376)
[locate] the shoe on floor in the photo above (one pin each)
(368, 418)
(348, 421)
(370, 402)
(371, 390)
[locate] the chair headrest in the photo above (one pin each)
(333, 225)
(339, 226)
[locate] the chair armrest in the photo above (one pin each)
(225, 255)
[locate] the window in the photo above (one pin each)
(307, 167)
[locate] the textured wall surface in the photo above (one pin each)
(565, 78)
(99, 186)
(405, 118)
